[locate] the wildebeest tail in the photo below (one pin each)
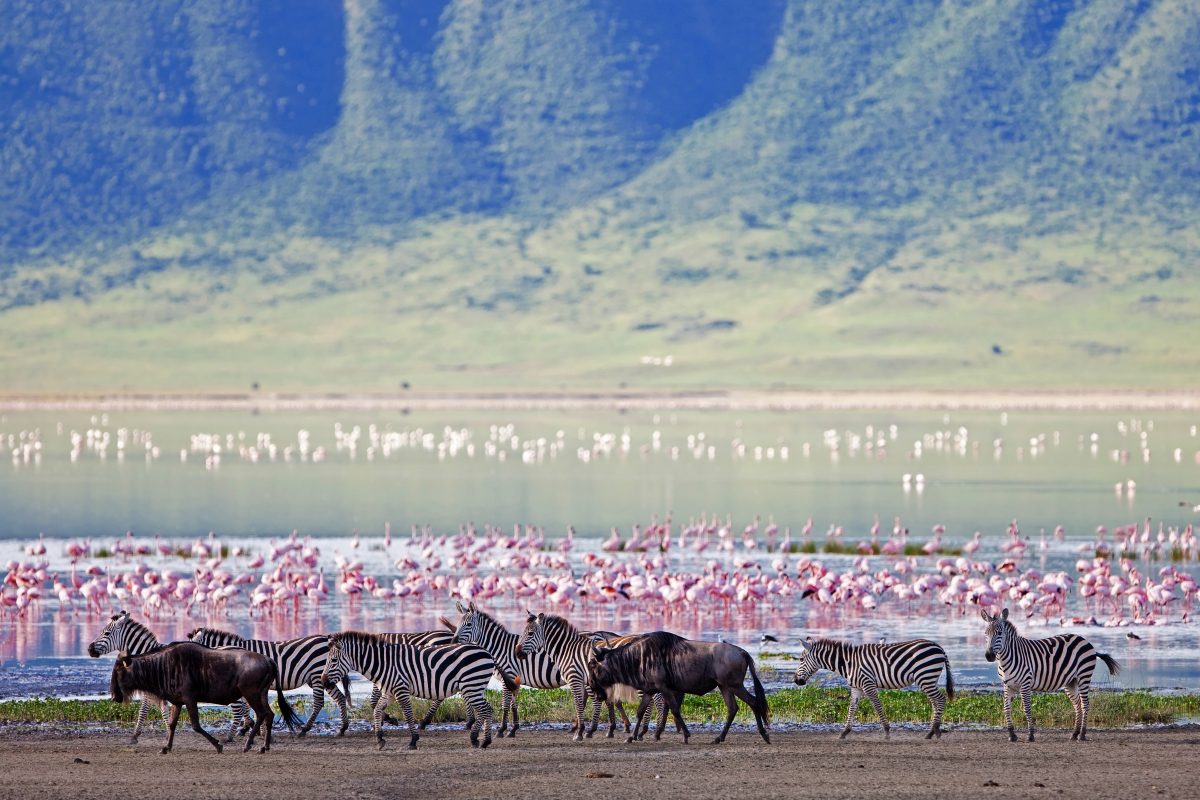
(949, 682)
(285, 709)
(450, 626)
(1114, 666)
(760, 694)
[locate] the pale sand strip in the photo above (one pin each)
(582, 400)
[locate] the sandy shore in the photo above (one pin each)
(977, 764)
(716, 400)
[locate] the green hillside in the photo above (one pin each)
(455, 195)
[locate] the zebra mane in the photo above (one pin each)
(132, 628)
(355, 637)
(491, 621)
(555, 622)
(219, 632)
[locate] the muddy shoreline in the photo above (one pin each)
(47, 762)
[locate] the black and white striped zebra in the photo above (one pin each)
(301, 662)
(1025, 666)
(871, 667)
(432, 638)
(402, 671)
(570, 649)
(123, 633)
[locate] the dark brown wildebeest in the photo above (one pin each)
(666, 664)
(185, 673)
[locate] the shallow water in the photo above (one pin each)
(554, 469)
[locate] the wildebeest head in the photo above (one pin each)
(601, 677)
(999, 633)
(112, 637)
(119, 685)
(810, 662)
(533, 637)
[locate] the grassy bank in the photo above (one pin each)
(807, 705)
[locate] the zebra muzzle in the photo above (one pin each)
(989, 655)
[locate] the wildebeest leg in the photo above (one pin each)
(675, 703)
(740, 692)
(264, 720)
(624, 717)
(643, 704)
(731, 712)
(171, 722)
(194, 715)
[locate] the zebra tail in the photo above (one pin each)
(511, 682)
(760, 694)
(285, 708)
(949, 683)
(1114, 667)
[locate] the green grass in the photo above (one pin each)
(810, 704)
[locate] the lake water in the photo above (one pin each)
(253, 478)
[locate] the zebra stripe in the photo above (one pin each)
(301, 662)
(403, 670)
(1025, 666)
(417, 639)
(570, 649)
(871, 667)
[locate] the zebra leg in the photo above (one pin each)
(376, 692)
(855, 695)
(406, 705)
(1073, 695)
(1008, 721)
(318, 703)
(1083, 715)
(643, 704)
(513, 732)
(506, 701)
(1027, 705)
(579, 695)
(343, 708)
(377, 715)
(172, 721)
(595, 717)
(873, 696)
(428, 718)
(938, 701)
(660, 707)
(144, 709)
(483, 718)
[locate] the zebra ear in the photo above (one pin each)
(458, 604)
(986, 616)
(531, 614)
(1004, 614)
(471, 606)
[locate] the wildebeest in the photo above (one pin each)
(666, 664)
(185, 673)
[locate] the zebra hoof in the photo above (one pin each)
(1012, 737)
(486, 741)
(303, 732)
(844, 734)
(164, 751)
(511, 734)
(629, 740)
(381, 743)
(610, 734)
(718, 740)
(263, 749)
(133, 740)
(1031, 737)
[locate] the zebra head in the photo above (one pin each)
(469, 630)
(338, 661)
(809, 662)
(533, 638)
(1000, 633)
(112, 637)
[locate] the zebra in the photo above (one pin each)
(124, 634)
(402, 670)
(569, 649)
(871, 667)
(1043, 665)
(432, 638)
(301, 662)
